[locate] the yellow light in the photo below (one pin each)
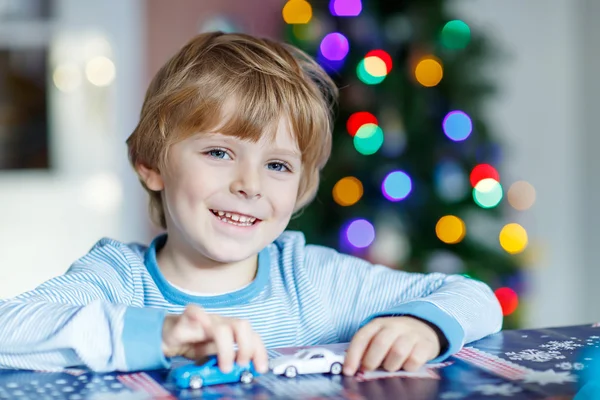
(347, 191)
(375, 66)
(429, 72)
(521, 195)
(450, 229)
(66, 77)
(297, 12)
(513, 238)
(100, 71)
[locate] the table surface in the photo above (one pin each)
(518, 364)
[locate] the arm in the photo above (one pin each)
(82, 318)
(356, 292)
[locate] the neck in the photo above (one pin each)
(185, 267)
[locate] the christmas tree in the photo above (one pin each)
(413, 179)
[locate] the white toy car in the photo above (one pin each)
(310, 361)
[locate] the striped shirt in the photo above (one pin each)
(106, 312)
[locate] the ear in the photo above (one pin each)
(151, 178)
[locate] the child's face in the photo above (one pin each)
(213, 173)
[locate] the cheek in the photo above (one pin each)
(189, 190)
(284, 197)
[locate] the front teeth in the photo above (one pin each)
(234, 218)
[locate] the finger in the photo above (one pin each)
(260, 357)
(243, 336)
(358, 345)
(422, 352)
(223, 338)
(399, 352)
(186, 329)
(195, 325)
(378, 348)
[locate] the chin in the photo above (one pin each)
(228, 254)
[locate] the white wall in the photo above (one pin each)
(589, 84)
(538, 115)
(49, 219)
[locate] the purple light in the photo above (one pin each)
(345, 8)
(334, 46)
(328, 65)
(360, 233)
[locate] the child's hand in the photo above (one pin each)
(393, 343)
(195, 334)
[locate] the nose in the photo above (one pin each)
(247, 183)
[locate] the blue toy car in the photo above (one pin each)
(194, 376)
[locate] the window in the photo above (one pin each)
(24, 132)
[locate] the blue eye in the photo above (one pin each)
(278, 166)
(217, 153)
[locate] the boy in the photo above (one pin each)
(232, 136)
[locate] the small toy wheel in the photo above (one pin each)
(246, 377)
(336, 368)
(291, 372)
(196, 382)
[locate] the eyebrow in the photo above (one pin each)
(291, 153)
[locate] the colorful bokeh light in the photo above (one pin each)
(450, 229)
(429, 72)
(483, 171)
(455, 35)
(334, 46)
(521, 195)
(347, 191)
(457, 125)
(297, 12)
(368, 139)
(513, 238)
(508, 299)
(345, 8)
(375, 66)
(364, 75)
(487, 193)
(360, 233)
(384, 56)
(396, 186)
(358, 119)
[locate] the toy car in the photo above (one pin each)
(194, 376)
(310, 361)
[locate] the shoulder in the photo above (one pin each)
(109, 257)
(293, 249)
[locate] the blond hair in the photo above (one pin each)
(267, 79)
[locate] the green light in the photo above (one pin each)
(366, 77)
(487, 193)
(368, 139)
(455, 35)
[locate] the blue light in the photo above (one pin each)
(457, 126)
(396, 186)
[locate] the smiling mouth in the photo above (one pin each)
(234, 218)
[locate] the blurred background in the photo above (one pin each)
(464, 140)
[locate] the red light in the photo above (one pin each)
(508, 299)
(483, 171)
(385, 57)
(358, 119)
